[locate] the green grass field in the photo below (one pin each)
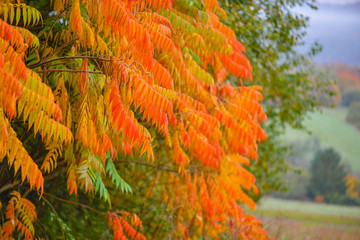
(332, 130)
(295, 220)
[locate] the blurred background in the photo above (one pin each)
(321, 197)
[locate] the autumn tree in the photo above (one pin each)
(353, 186)
(273, 33)
(123, 118)
(348, 76)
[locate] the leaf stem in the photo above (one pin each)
(68, 70)
(67, 57)
(75, 203)
(51, 27)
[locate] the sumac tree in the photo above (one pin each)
(123, 110)
(273, 33)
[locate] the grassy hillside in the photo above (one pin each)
(332, 130)
(295, 220)
(321, 209)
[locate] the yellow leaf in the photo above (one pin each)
(24, 16)
(35, 16)
(12, 14)
(18, 14)
(5, 12)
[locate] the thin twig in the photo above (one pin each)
(48, 177)
(67, 57)
(150, 165)
(9, 185)
(51, 27)
(62, 47)
(75, 203)
(68, 70)
(161, 167)
(59, 63)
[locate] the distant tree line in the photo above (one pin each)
(351, 99)
(350, 96)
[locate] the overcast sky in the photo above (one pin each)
(337, 28)
(338, 1)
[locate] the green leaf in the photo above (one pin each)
(100, 187)
(195, 57)
(115, 177)
(31, 57)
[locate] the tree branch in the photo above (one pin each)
(68, 70)
(161, 167)
(48, 177)
(61, 47)
(51, 27)
(75, 203)
(65, 58)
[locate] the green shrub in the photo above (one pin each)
(350, 96)
(353, 115)
(327, 177)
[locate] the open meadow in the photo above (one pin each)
(297, 220)
(331, 128)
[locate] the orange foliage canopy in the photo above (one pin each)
(152, 70)
(348, 77)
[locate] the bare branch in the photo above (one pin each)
(66, 58)
(68, 70)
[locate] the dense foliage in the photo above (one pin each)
(347, 76)
(353, 115)
(327, 177)
(349, 96)
(124, 113)
(273, 33)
